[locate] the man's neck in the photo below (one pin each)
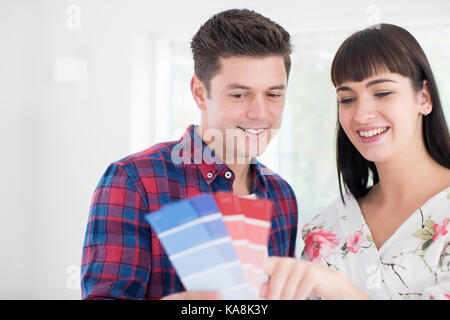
(243, 176)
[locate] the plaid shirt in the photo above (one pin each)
(122, 257)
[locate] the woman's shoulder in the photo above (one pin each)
(337, 208)
(439, 204)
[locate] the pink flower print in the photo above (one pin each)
(319, 243)
(441, 230)
(445, 222)
(354, 241)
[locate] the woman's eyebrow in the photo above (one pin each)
(371, 83)
(343, 89)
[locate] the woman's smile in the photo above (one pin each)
(372, 134)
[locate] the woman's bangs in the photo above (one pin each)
(366, 54)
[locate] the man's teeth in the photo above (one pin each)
(371, 133)
(253, 131)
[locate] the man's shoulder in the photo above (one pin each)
(159, 151)
(274, 181)
(152, 161)
(271, 176)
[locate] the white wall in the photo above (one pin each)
(57, 138)
(18, 101)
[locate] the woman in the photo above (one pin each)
(387, 236)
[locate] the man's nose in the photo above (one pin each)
(258, 108)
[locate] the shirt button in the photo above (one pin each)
(228, 174)
(209, 175)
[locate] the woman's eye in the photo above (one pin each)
(346, 100)
(382, 94)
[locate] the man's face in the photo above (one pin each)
(245, 104)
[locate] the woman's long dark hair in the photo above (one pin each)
(385, 47)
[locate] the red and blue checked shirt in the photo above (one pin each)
(122, 257)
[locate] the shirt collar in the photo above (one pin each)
(260, 173)
(202, 156)
(211, 166)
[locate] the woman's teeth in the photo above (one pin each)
(371, 133)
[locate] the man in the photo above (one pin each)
(242, 62)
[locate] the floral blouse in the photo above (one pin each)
(414, 263)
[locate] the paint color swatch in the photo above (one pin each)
(257, 225)
(248, 222)
(216, 242)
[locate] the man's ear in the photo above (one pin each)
(199, 92)
(426, 105)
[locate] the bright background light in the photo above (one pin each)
(87, 82)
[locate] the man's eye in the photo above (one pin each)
(346, 100)
(382, 94)
(237, 95)
(274, 95)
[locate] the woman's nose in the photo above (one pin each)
(364, 112)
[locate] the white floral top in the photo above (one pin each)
(414, 263)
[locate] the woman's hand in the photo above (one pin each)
(290, 278)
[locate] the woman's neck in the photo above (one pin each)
(412, 175)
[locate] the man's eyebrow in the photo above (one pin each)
(237, 86)
(279, 87)
(240, 86)
(371, 83)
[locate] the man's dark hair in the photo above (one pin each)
(237, 32)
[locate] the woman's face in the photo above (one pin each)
(382, 115)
